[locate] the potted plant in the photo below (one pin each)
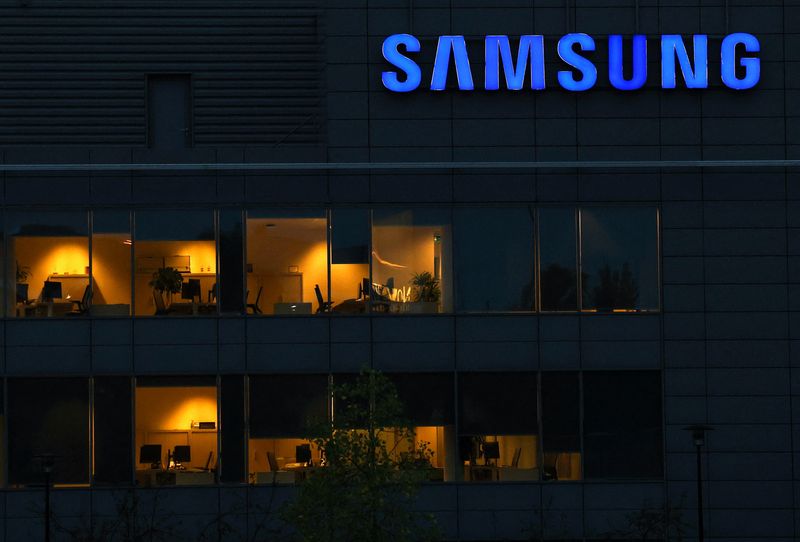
(425, 293)
(167, 279)
(23, 272)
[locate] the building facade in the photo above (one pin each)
(212, 211)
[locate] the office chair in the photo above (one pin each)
(254, 306)
(81, 306)
(212, 293)
(324, 306)
(515, 459)
(273, 463)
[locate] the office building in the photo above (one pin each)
(213, 210)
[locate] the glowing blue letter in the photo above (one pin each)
(752, 66)
(532, 46)
(616, 72)
(696, 77)
(568, 55)
(442, 62)
(394, 57)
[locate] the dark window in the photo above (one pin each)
(619, 258)
(561, 421)
(622, 424)
(232, 429)
(427, 398)
(228, 293)
(48, 416)
(169, 111)
(494, 259)
(558, 255)
(113, 416)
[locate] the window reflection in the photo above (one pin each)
(494, 259)
(176, 263)
(558, 259)
(286, 262)
(176, 431)
(48, 262)
(111, 263)
(619, 258)
(411, 261)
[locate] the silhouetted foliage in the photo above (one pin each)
(559, 288)
(616, 289)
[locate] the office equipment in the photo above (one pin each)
(206, 425)
(255, 306)
(324, 306)
(302, 453)
(190, 289)
(491, 452)
(151, 453)
(51, 290)
(181, 455)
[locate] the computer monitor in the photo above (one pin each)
(302, 453)
(182, 454)
(150, 453)
(51, 290)
(190, 289)
(491, 450)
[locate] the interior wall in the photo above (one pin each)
(46, 256)
(111, 269)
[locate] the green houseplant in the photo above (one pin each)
(426, 293)
(166, 279)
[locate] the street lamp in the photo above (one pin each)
(698, 432)
(46, 463)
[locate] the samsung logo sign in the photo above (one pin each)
(740, 67)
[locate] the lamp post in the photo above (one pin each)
(46, 463)
(698, 433)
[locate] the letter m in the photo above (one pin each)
(530, 46)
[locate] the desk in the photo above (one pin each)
(188, 477)
(516, 474)
(281, 477)
(481, 473)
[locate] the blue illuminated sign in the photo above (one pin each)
(740, 67)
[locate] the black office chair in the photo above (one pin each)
(212, 293)
(254, 306)
(324, 306)
(80, 307)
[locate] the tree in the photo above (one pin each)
(373, 469)
(617, 289)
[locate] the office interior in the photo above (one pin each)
(171, 416)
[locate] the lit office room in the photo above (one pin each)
(175, 263)
(176, 430)
(283, 411)
(498, 438)
(47, 258)
(411, 261)
(287, 259)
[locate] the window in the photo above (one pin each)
(498, 439)
(111, 264)
(287, 262)
(113, 422)
(48, 258)
(561, 420)
(619, 258)
(283, 411)
(49, 417)
(494, 259)
(428, 402)
(176, 262)
(176, 424)
(558, 255)
(229, 293)
(622, 424)
(411, 261)
(349, 260)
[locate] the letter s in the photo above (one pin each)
(392, 55)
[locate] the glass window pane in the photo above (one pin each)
(111, 264)
(176, 262)
(113, 421)
(498, 427)
(494, 259)
(411, 261)
(619, 258)
(558, 273)
(231, 263)
(287, 259)
(561, 421)
(49, 416)
(232, 448)
(622, 424)
(48, 258)
(176, 412)
(350, 237)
